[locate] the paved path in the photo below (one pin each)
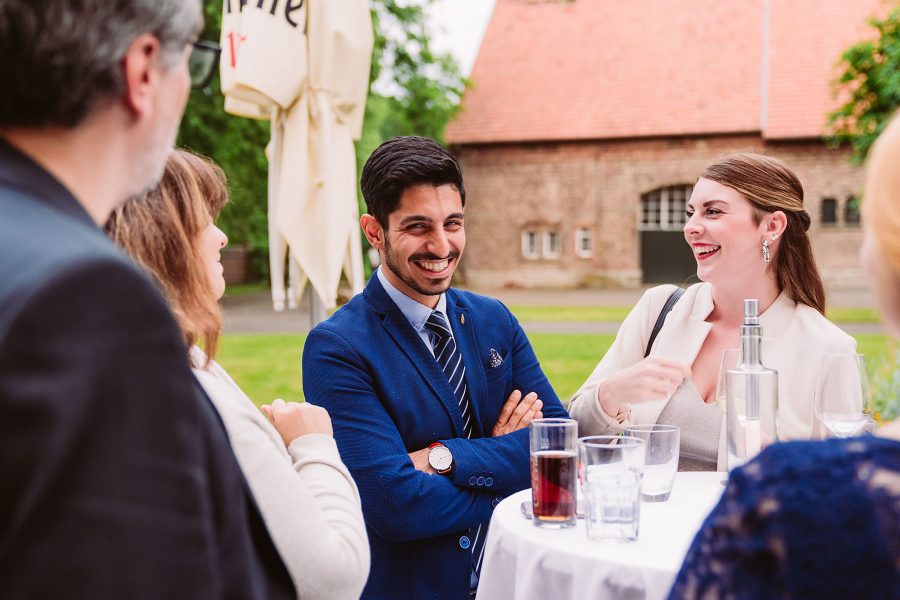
(252, 312)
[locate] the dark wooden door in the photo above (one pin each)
(666, 257)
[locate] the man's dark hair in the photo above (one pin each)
(401, 163)
(60, 59)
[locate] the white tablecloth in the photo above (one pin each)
(524, 562)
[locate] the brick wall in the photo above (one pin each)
(598, 185)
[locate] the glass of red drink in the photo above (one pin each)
(553, 471)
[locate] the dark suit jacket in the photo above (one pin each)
(388, 396)
(116, 476)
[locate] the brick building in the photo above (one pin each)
(589, 121)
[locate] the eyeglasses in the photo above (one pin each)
(202, 63)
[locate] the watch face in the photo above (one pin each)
(440, 458)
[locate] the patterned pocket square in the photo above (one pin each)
(494, 360)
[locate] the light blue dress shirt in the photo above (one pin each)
(415, 312)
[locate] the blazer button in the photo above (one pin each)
(479, 481)
(464, 542)
(472, 480)
(489, 481)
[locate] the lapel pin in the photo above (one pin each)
(462, 319)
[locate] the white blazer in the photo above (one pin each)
(307, 498)
(795, 340)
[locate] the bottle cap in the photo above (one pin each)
(751, 311)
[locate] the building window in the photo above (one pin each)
(531, 245)
(851, 212)
(584, 242)
(664, 209)
(829, 211)
(552, 244)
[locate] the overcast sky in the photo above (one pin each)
(458, 26)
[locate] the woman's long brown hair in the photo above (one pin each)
(769, 186)
(161, 229)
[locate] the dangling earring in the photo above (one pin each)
(766, 251)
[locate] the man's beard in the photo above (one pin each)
(149, 168)
(154, 165)
(437, 289)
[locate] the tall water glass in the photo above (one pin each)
(843, 397)
(610, 470)
(663, 444)
(553, 472)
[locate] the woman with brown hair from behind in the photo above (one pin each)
(305, 493)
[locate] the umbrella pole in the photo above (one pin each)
(317, 312)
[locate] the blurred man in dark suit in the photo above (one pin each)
(116, 477)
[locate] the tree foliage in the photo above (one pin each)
(412, 90)
(871, 83)
(426, 87)
(238, 146)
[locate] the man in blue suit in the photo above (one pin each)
(423, 383)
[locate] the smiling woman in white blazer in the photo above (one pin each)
(747, 229)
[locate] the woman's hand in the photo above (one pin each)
(653, 378)
(296, 419)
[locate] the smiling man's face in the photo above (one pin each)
(423, 241)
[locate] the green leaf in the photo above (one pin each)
(870, 84)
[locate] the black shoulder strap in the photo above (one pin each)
(667, 307)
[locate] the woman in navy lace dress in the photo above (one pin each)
(818, 519)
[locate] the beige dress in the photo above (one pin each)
(700, 424)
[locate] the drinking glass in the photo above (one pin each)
(553, 473)
(843, 397)
(610, 470)
(730, 359)
(663, 444)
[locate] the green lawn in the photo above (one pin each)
(567, 314)
(529, 313)
(616, 314)
(852, 315)
(268, 366)
(265, 366)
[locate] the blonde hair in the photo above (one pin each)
(161, 231)
(769, 185)
(881, 198)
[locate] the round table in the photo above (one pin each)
(524, 562)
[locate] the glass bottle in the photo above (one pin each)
(751, 401)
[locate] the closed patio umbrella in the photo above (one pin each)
(304, 65)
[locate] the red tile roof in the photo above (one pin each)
(807, 39)
(595, 69)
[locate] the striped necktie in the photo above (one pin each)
(448, 357)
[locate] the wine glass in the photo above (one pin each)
(730, 359)
(843, 397)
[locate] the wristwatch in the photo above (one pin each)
(440, 458)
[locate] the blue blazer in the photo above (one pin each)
(388, 396)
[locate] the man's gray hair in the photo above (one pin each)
(60, 59)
